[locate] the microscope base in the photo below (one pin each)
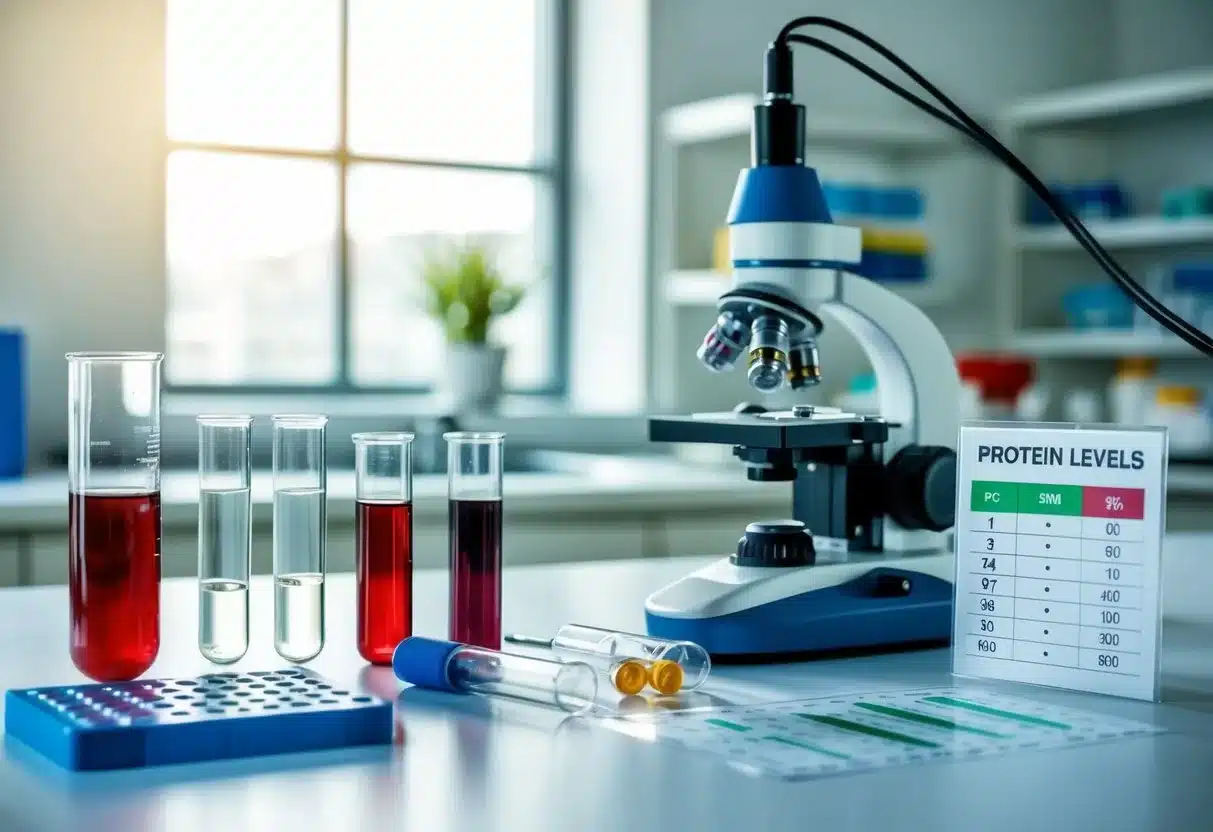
(862, 602)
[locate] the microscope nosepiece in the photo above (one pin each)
(724, 343)
(768, 353)
(804, 367)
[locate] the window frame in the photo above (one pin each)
(551, 174)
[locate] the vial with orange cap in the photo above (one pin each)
(631, 661)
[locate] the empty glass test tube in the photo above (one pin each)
(299, 532)
(224, 536)
(474, 511)
(670, 666)
(450, 666)
(383, 534)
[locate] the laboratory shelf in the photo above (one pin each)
(1112, 100)
(731, 116)
(1137, 232)
(1095, 343)
(695, 287)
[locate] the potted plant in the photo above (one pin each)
(465, 293)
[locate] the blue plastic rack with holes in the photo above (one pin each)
(217, 716)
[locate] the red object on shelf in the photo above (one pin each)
(1001, 377)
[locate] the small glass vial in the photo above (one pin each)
(383, 531)
(224, 536)
(475, 520)
(448, 666)
(299, 535)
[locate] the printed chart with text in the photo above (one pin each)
(1058, 533)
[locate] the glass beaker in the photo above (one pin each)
(383, 531)
(474, 462)
(299, 535)
(225, 534)
(114, 512)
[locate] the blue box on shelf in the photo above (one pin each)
(897, 203)
(1103, 200)
(1098, 307)
(1190, 201)
(12, 404)
(893, 267)
(846, 200)
(1196, 278)
(216, 716)
(1036, 212)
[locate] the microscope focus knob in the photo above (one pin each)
(776, 543)
(922, 487)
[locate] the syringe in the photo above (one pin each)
(464, 668)
(630, 660)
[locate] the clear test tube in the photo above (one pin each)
(299, 535)
(474, 462)
(383, 534)
(224, 536)
(611, 649)
(450, 666)
(113, 475)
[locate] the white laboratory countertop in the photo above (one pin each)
(592, 484)
(465, 763)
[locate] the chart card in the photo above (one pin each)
(854, 733)
(1058, 534)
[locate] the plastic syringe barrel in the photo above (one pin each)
(451, 666)
(607, 647)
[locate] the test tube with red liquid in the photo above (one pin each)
(474, 462)
(383, 529)
(114, 512)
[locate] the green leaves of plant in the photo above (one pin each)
(465, 290)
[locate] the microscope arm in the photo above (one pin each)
(916, 376)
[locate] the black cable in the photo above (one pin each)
(1080, 232)
(889, 85)
(1143, 298)
(966, 125)
(982, 139)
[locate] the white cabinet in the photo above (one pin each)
(48, 558)
(711, 535)
(10, 558)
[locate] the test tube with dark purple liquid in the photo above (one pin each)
(474, 490)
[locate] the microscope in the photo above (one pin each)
(865, 560)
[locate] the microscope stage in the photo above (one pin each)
(775, 430)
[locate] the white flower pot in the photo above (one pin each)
(471, 377)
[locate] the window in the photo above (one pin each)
(319, 147)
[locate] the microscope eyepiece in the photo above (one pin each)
(724, 343)
(769, 347)
(804, 367)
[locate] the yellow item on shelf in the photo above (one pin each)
(666, 677)
(629, 676)
(1135, 368)
(895, 241)
(1178, 394)
(721, 261)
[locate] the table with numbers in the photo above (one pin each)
(1057, 581)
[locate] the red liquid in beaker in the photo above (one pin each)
(475, 530)
(114, 582)
(384, 566)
